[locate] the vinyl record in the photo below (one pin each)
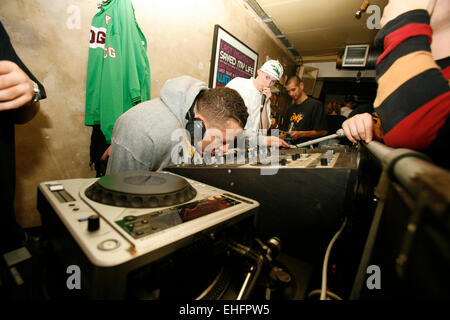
(144, 189)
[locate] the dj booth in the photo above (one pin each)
(258, 227)
(222, 230)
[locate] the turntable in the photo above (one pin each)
(121, 222)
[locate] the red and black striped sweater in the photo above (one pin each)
(413, 96)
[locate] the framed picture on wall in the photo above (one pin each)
(230, 58)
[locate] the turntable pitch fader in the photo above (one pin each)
(124, 221)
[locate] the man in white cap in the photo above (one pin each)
(256, 94)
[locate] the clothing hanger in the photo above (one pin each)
(100, 4)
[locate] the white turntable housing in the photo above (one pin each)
(120, 239)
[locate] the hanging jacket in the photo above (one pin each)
(118, 75)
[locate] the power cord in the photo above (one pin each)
(329, 293)
(323, 292)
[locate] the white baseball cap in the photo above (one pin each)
(274, 68)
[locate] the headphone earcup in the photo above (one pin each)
(195, 125)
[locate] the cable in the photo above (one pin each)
(329, 293)
(325, 261)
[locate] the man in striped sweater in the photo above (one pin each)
(413, 96)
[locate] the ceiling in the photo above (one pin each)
(318, 28)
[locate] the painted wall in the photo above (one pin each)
(51, 37)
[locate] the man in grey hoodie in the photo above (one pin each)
(144, 138)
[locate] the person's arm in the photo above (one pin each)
(121, 159)
(308, 134)
(17, 92)
(131, 148)
(274, 141)
(17, 83)
(413, 98)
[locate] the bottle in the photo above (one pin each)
(291, 126)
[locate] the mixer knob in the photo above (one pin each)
(93, 223)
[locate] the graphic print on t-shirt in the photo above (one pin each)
(297, 117)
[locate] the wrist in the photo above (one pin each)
(36, 94)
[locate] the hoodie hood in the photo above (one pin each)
(178, 94)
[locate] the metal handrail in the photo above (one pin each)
(407, 166)
(427, 183)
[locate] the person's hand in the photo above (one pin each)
(273, 122)
(273, 141)
(294, 135)
(16, 88)
(106, 154)
(359, 127)
(267, 93)
(397, 7)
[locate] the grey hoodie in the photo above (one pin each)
(141, 139)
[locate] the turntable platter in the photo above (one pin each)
(145, 189)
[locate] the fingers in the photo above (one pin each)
(11, 79)
(349, 130)
(15, 103)
(280, 142)
(284, 144)
(14, 92)
(6, 66)
(106, 154)
(359, 127)
(10, 74)
(16, 89)
(272, 141)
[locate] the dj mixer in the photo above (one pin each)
(303, 193)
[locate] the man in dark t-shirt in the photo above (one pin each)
(20, 93)
(305, 119)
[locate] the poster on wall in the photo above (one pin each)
(230, 59)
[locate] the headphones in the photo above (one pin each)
(194, 125)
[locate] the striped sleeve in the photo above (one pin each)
(413, 96)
